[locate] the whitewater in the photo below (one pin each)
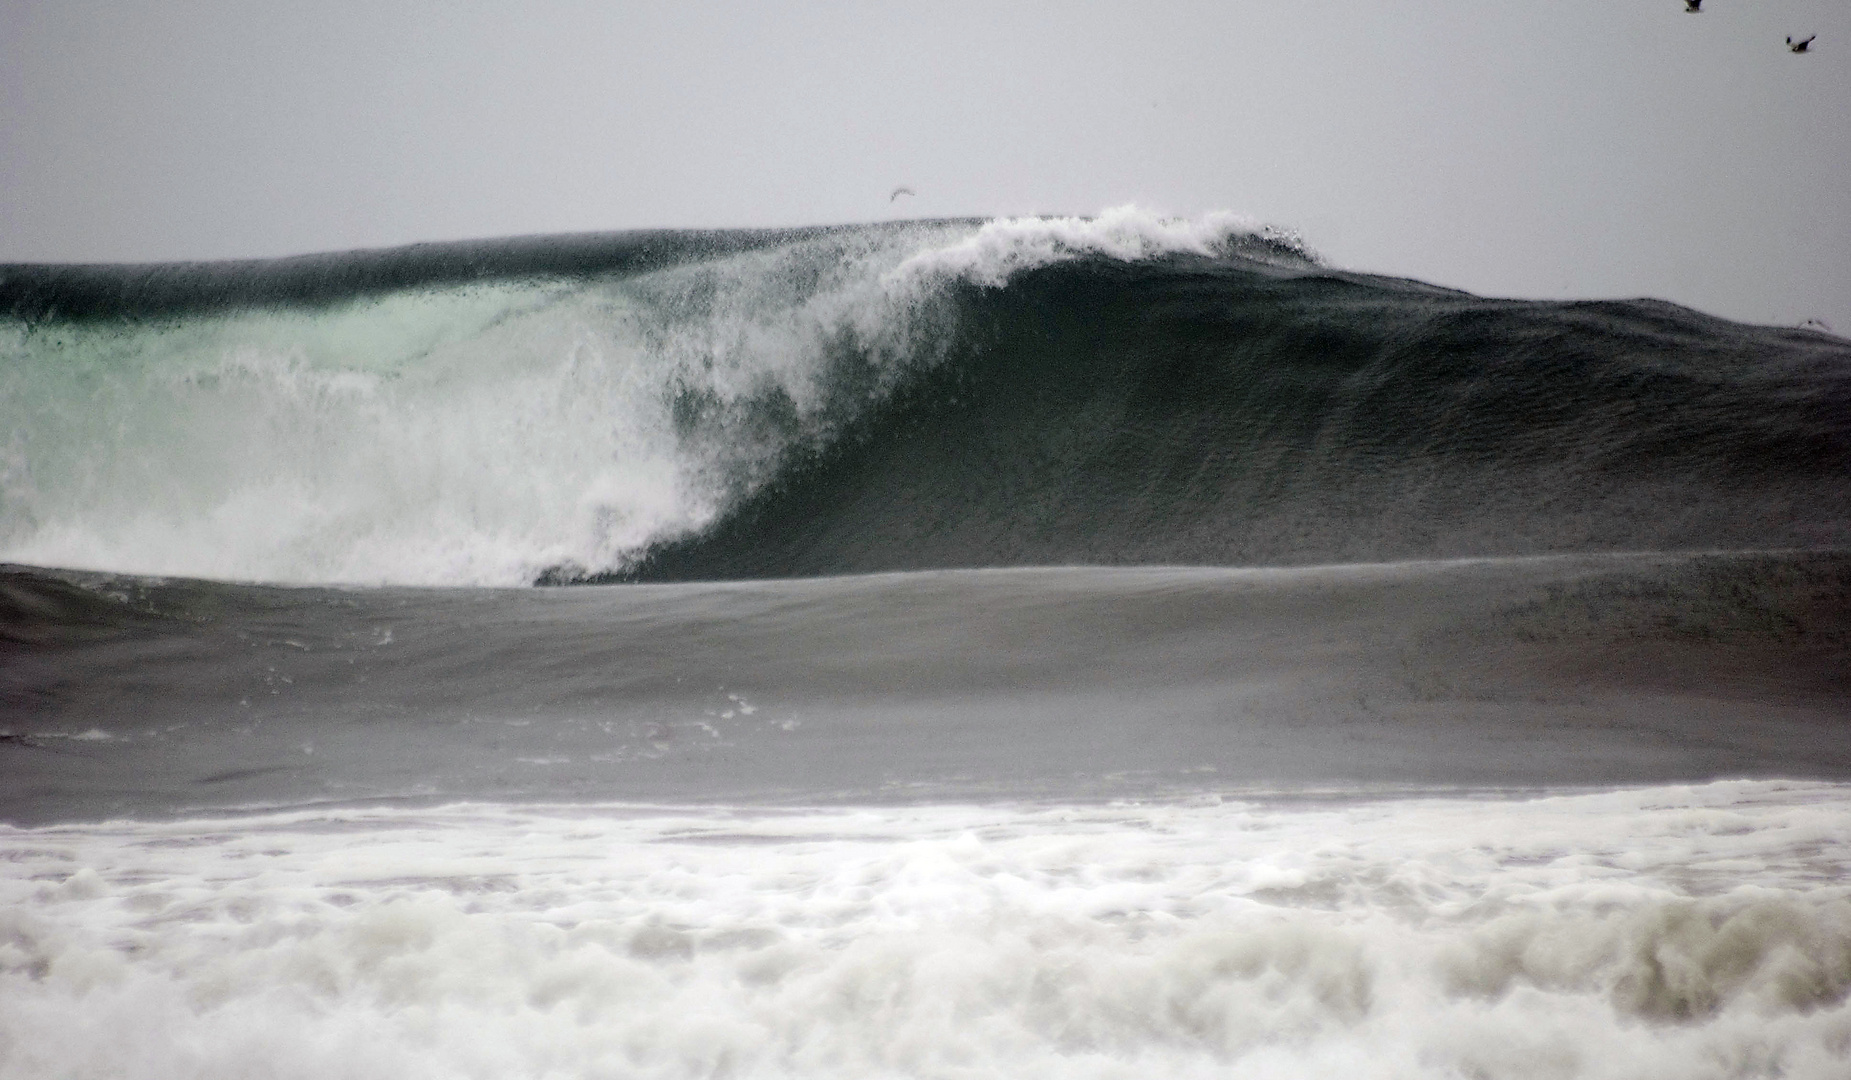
(1048, 647)
(1608, 935)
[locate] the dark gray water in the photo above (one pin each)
(146, 697)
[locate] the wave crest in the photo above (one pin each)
(1003, 248)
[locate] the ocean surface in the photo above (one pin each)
(1114, 647)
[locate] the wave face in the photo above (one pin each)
(672, 406)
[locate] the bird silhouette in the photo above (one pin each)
(1799, 46)
(1693, 7)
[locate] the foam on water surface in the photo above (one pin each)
(1659, 932)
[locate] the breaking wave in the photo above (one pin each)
(1124, 388)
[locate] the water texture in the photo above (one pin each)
(1118, 390)
(1095, 647)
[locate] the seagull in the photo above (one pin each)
(899, 191)
(1693, 7)
(1799, 46)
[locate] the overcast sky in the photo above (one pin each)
(1510, 147)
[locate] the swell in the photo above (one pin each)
(150, 697)
(1217, 412)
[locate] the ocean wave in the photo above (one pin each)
(468, 435)
(1117, 389)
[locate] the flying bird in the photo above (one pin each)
(1799, 46)
(1693, 7)
(899, 191)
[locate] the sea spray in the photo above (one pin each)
(1005, 247)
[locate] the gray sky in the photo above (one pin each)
(1511, 147)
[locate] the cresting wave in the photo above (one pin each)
(463, 434)
(477, 415)
(1588, 936)
(1119, 389)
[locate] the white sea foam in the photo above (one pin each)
(1671, 932)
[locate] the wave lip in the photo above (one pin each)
(155, 291)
